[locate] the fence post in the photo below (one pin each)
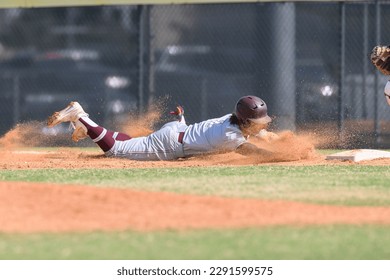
(365, 60)
(144, 57)
(342, 78)
(16, 99)
(377, 90)
(204, 98)
(283, 55)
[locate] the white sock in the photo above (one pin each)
(89, 121)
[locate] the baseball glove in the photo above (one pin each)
(380, 57)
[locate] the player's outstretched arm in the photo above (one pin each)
(248, 149)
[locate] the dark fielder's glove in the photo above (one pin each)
(380, 57)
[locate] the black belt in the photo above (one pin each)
(180, 138)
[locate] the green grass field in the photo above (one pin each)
(274, 243)
(340, 185)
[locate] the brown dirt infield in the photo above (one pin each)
(32, 207)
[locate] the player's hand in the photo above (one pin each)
(267, 136)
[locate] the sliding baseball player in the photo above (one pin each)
(177, 139)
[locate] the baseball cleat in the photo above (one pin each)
(71, 113)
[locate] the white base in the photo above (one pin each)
(359, 155)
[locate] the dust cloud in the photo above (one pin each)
(29, 134)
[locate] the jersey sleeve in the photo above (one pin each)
(235, 138)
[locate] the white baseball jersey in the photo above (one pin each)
(212, 135)
(207, 136)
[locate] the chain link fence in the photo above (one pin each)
(308, 61)
(51, 56)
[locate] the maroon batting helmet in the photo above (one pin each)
(252, 108)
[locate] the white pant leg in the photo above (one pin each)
(160, 145)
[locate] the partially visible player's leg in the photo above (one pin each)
(164, 144)
(104, 138)
(84, 127)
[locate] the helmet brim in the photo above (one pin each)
(263, 120)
